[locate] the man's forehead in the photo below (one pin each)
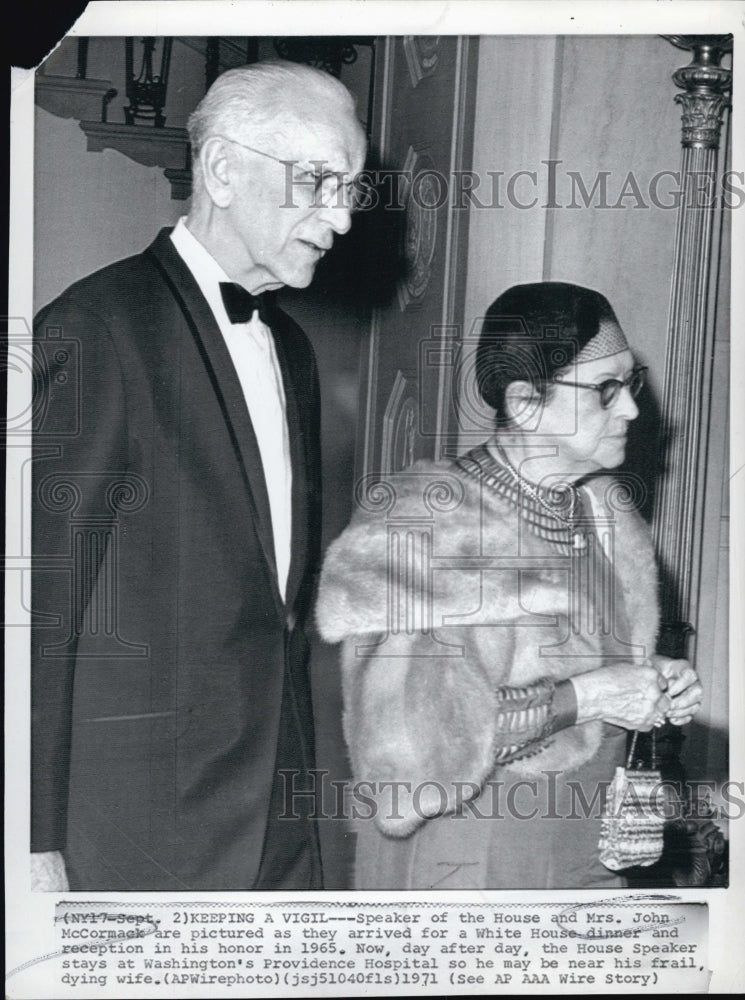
(338, 143)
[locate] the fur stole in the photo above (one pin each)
(440, 595)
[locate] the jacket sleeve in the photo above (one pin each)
(78, 440)
(430, 729)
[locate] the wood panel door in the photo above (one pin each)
(421, 146)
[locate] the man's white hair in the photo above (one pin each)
(262, 100)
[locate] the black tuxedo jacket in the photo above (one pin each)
(169, 678)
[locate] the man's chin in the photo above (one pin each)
(300, 279)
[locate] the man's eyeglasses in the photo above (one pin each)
(611, 387)
(331, 188)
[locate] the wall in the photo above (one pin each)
(89, 208)
(93, 208)
(512, 133)
(593, 104)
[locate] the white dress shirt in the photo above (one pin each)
(251, 348)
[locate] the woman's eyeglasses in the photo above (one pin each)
(611, 387)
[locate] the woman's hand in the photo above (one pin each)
(683, 688)
(626, 695)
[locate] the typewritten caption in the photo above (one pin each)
(627, 944)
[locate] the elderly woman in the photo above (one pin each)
(499, 615)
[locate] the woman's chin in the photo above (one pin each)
(614, 453)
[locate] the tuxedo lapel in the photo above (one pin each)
(298, 459)
(227, 387)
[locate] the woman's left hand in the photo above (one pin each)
(683, 688)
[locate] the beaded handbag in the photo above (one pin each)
(633, 818)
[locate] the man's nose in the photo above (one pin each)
(338, 216)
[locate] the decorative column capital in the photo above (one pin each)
(706, 84)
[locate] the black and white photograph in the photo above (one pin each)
(372, 450)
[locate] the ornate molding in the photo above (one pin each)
(422, 196)
(167, 148)
(152, 147)
(180, 181)
(705, 83)
(400, 425)
(69, 97)
(678, 508)
(422, 56)
(702, 119)
(690, 336)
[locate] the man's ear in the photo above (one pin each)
(522, 401)
(215, 160)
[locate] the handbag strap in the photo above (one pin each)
(632, 750)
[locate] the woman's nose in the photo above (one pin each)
(626, 404)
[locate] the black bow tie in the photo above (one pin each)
(240, 305)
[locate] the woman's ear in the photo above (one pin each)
(522, 401)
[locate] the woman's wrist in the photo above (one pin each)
(564, 706)
(588, 695)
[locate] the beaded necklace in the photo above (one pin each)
(555, 515)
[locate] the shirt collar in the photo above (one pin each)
(198, 258)
(206, 270)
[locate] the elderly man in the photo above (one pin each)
(170, 687)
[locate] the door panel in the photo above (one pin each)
(422, 140)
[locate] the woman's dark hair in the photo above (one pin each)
(533, 331)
